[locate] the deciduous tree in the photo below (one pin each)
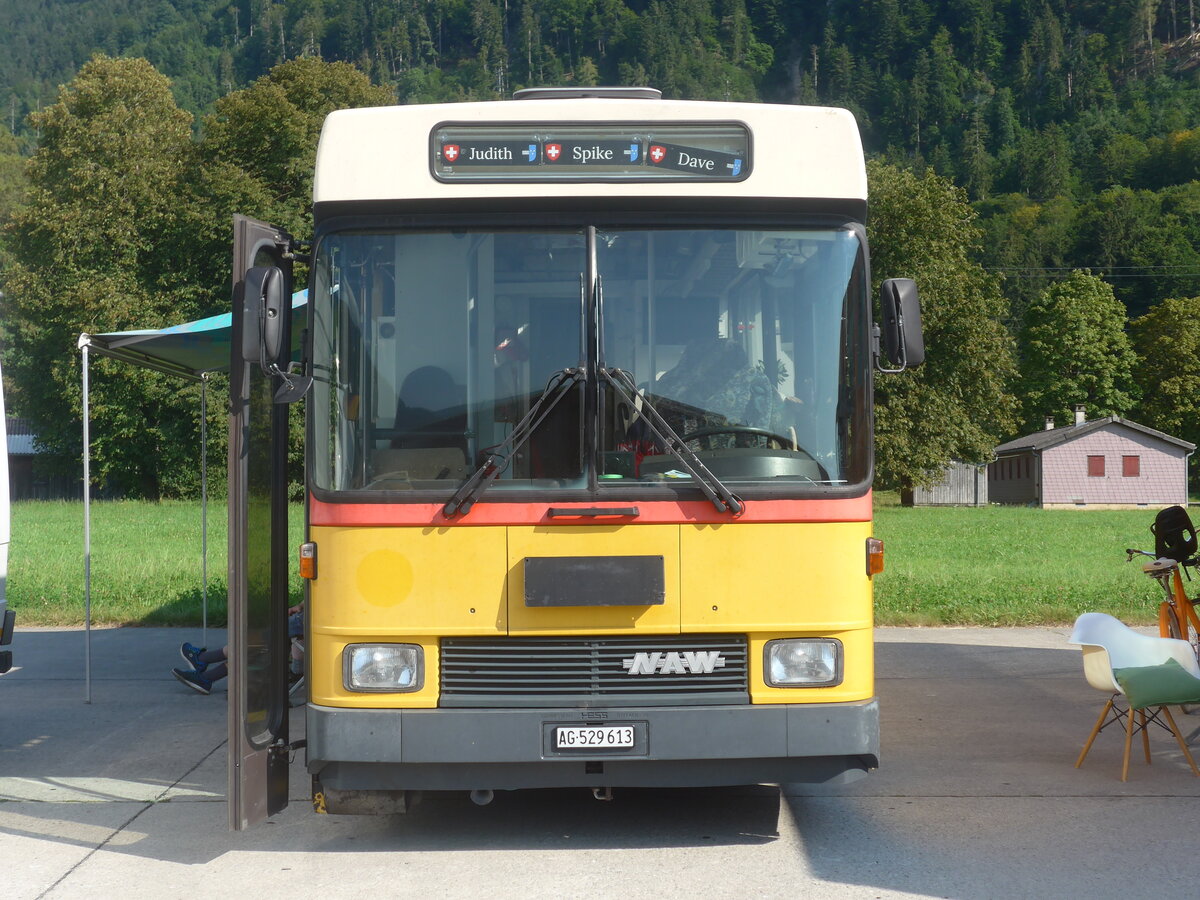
(12, 174)
(266, 135)
(1167, 343)
(89, 254)
(1075, 350)
(958, 405)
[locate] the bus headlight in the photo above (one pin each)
(395, 668)
(803, 662)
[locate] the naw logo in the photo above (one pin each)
(689, 662)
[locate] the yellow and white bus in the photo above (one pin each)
(589, 453)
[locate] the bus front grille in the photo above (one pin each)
(665, 670)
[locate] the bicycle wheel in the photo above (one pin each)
(1188, 626)
(1190, 622)
(1168, 622)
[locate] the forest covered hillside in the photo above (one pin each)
(959, 83)
(1037, 97)
(1059, 139)
(1036, 107)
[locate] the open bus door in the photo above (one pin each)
(258, 533)
(7, 616)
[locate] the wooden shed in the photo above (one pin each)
(1108, 463)
(26, 478)
(963, 484)
(21, 451)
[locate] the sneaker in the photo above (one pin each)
(194, 680)
(191, 656)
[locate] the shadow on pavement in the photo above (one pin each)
(977, 795)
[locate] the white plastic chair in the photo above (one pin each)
(1109, 644)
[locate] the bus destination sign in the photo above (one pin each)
(694, 159)
(601, 152)
(592, 153)
(489, 153)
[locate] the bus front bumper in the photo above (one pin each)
(507, 749)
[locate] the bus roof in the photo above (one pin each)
(390, 153)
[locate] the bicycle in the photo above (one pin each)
(1177, 616)
(1175, 547)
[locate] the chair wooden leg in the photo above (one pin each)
(1179, 737)
(1145, 734)
(1095, 731)
(1128, 744)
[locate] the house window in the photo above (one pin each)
(1095, 466)
(1131, 466)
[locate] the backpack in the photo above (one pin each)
(1174, 536)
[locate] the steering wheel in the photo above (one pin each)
(784, 443)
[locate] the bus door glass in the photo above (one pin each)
(429, 347)
(746, 342)
(258, 535)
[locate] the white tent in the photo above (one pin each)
(192, 351)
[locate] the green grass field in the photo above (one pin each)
(1011, 566)
(990, 566)
(145, 563)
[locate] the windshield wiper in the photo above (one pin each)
(501, 455)
(721, 496)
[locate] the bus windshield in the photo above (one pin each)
(429, 347)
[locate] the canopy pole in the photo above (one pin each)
(204, 509)
(87, 535)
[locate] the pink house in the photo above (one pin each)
(1107, 463)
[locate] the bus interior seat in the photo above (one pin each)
(430, 411)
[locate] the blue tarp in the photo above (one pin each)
(191, 349)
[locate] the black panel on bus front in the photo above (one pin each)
(760, 210)
(594, 581)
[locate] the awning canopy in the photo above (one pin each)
(189, 350)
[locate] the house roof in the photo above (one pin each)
(20, 437)
(1041, 440)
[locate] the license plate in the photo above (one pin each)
(580, 737)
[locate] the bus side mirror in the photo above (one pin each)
(903, 341)
(263, 314)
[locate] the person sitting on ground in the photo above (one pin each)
(200, 676)
(296, 636)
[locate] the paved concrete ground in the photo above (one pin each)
(976, 798)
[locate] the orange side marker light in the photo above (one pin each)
(308, 560)
(874, 556)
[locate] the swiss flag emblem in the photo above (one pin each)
(450, 152)
(657, 153)
(553, 152)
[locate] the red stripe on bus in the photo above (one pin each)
(658, 512)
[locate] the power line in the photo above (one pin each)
(1110, 272)
(1034, 274)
